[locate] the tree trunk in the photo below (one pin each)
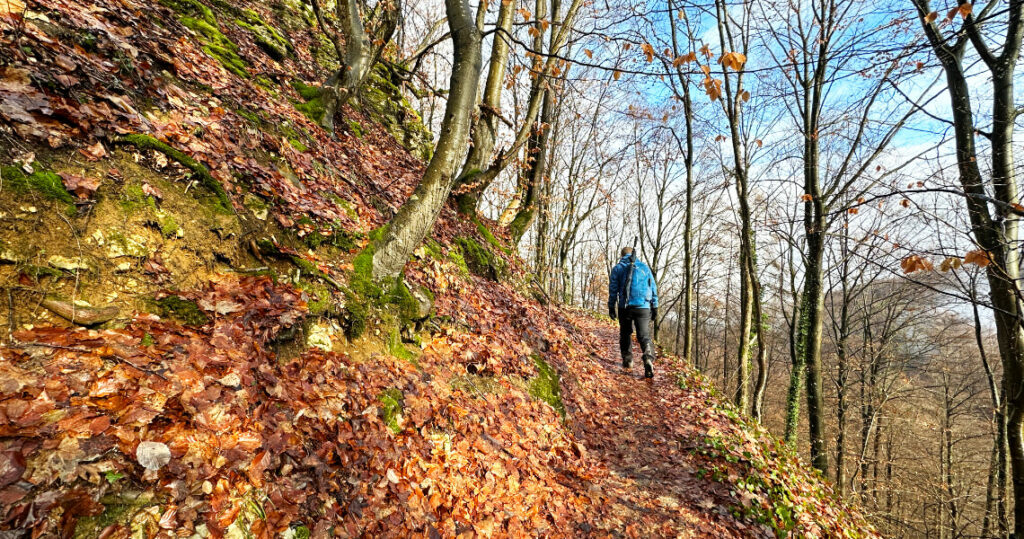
(469, 186)
(360, 56)
(998, 236)
(534, 175)
(416, 217)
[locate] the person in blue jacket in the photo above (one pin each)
(633, 296)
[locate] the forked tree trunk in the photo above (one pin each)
(416, 217)
(360, 54)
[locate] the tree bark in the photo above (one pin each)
(469, 186)
(360, 55)
(999, 235)
(416, 217)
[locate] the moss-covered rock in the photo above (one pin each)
(199, 18)
(312, 104)
(480, 260)
(383, 101)
(266, 36)
(546, 385)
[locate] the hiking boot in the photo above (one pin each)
(648, 370)
(627, 363)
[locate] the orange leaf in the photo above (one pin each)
(914, 263)
(733, 60)
(589, 53)
(930, 18)
(978, 257)
(806, 197)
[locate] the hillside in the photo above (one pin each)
(192, 347)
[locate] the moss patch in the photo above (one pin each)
(356, 129)
(200, 19)
(366, 296)
(490, 237)
(545, 386)
(480, 260)
(146, 142)
(383, 101)
(312, 104)
(182, 310)
(319, 301)
(391, 408)
(266, 36)
(44, 182)
(118, 509)
(398, 348)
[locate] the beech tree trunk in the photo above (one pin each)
(416, 217)
(997, 234)
(470, 184)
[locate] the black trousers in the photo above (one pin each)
(630, 317)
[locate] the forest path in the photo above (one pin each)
(646, 431)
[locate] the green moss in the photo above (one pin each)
(168, 224)
(44, 182)
(350, 210)
(356, 129)
(545, 386)
(433, 249)
(118, 509)
(183, 310)
(456, 257)
(192, 8)
(480, 260)
(266, 36)
(301, 532)
(356, 315)
(398, 349)
(147, 340)
(383, 101)
(199, 18)
(253, 117)
(391, 408)
(146, 142)
(307, 92)
(490, 237)
(293, 137)
(133, 199)
(320, 300)
(42, 271)
(313, 109)
(333, 234)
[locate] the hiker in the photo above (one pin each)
(632, 289)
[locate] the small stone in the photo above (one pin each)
(67, 264)
(153, 455)
(10, 256)
(319, 336)
(231, 380)
(123, 267)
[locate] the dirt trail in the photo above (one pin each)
(645, 432)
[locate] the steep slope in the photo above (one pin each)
(192, 347)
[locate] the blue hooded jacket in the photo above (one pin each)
(643, 291)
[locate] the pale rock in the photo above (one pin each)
(67, 264)
(153, 455)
